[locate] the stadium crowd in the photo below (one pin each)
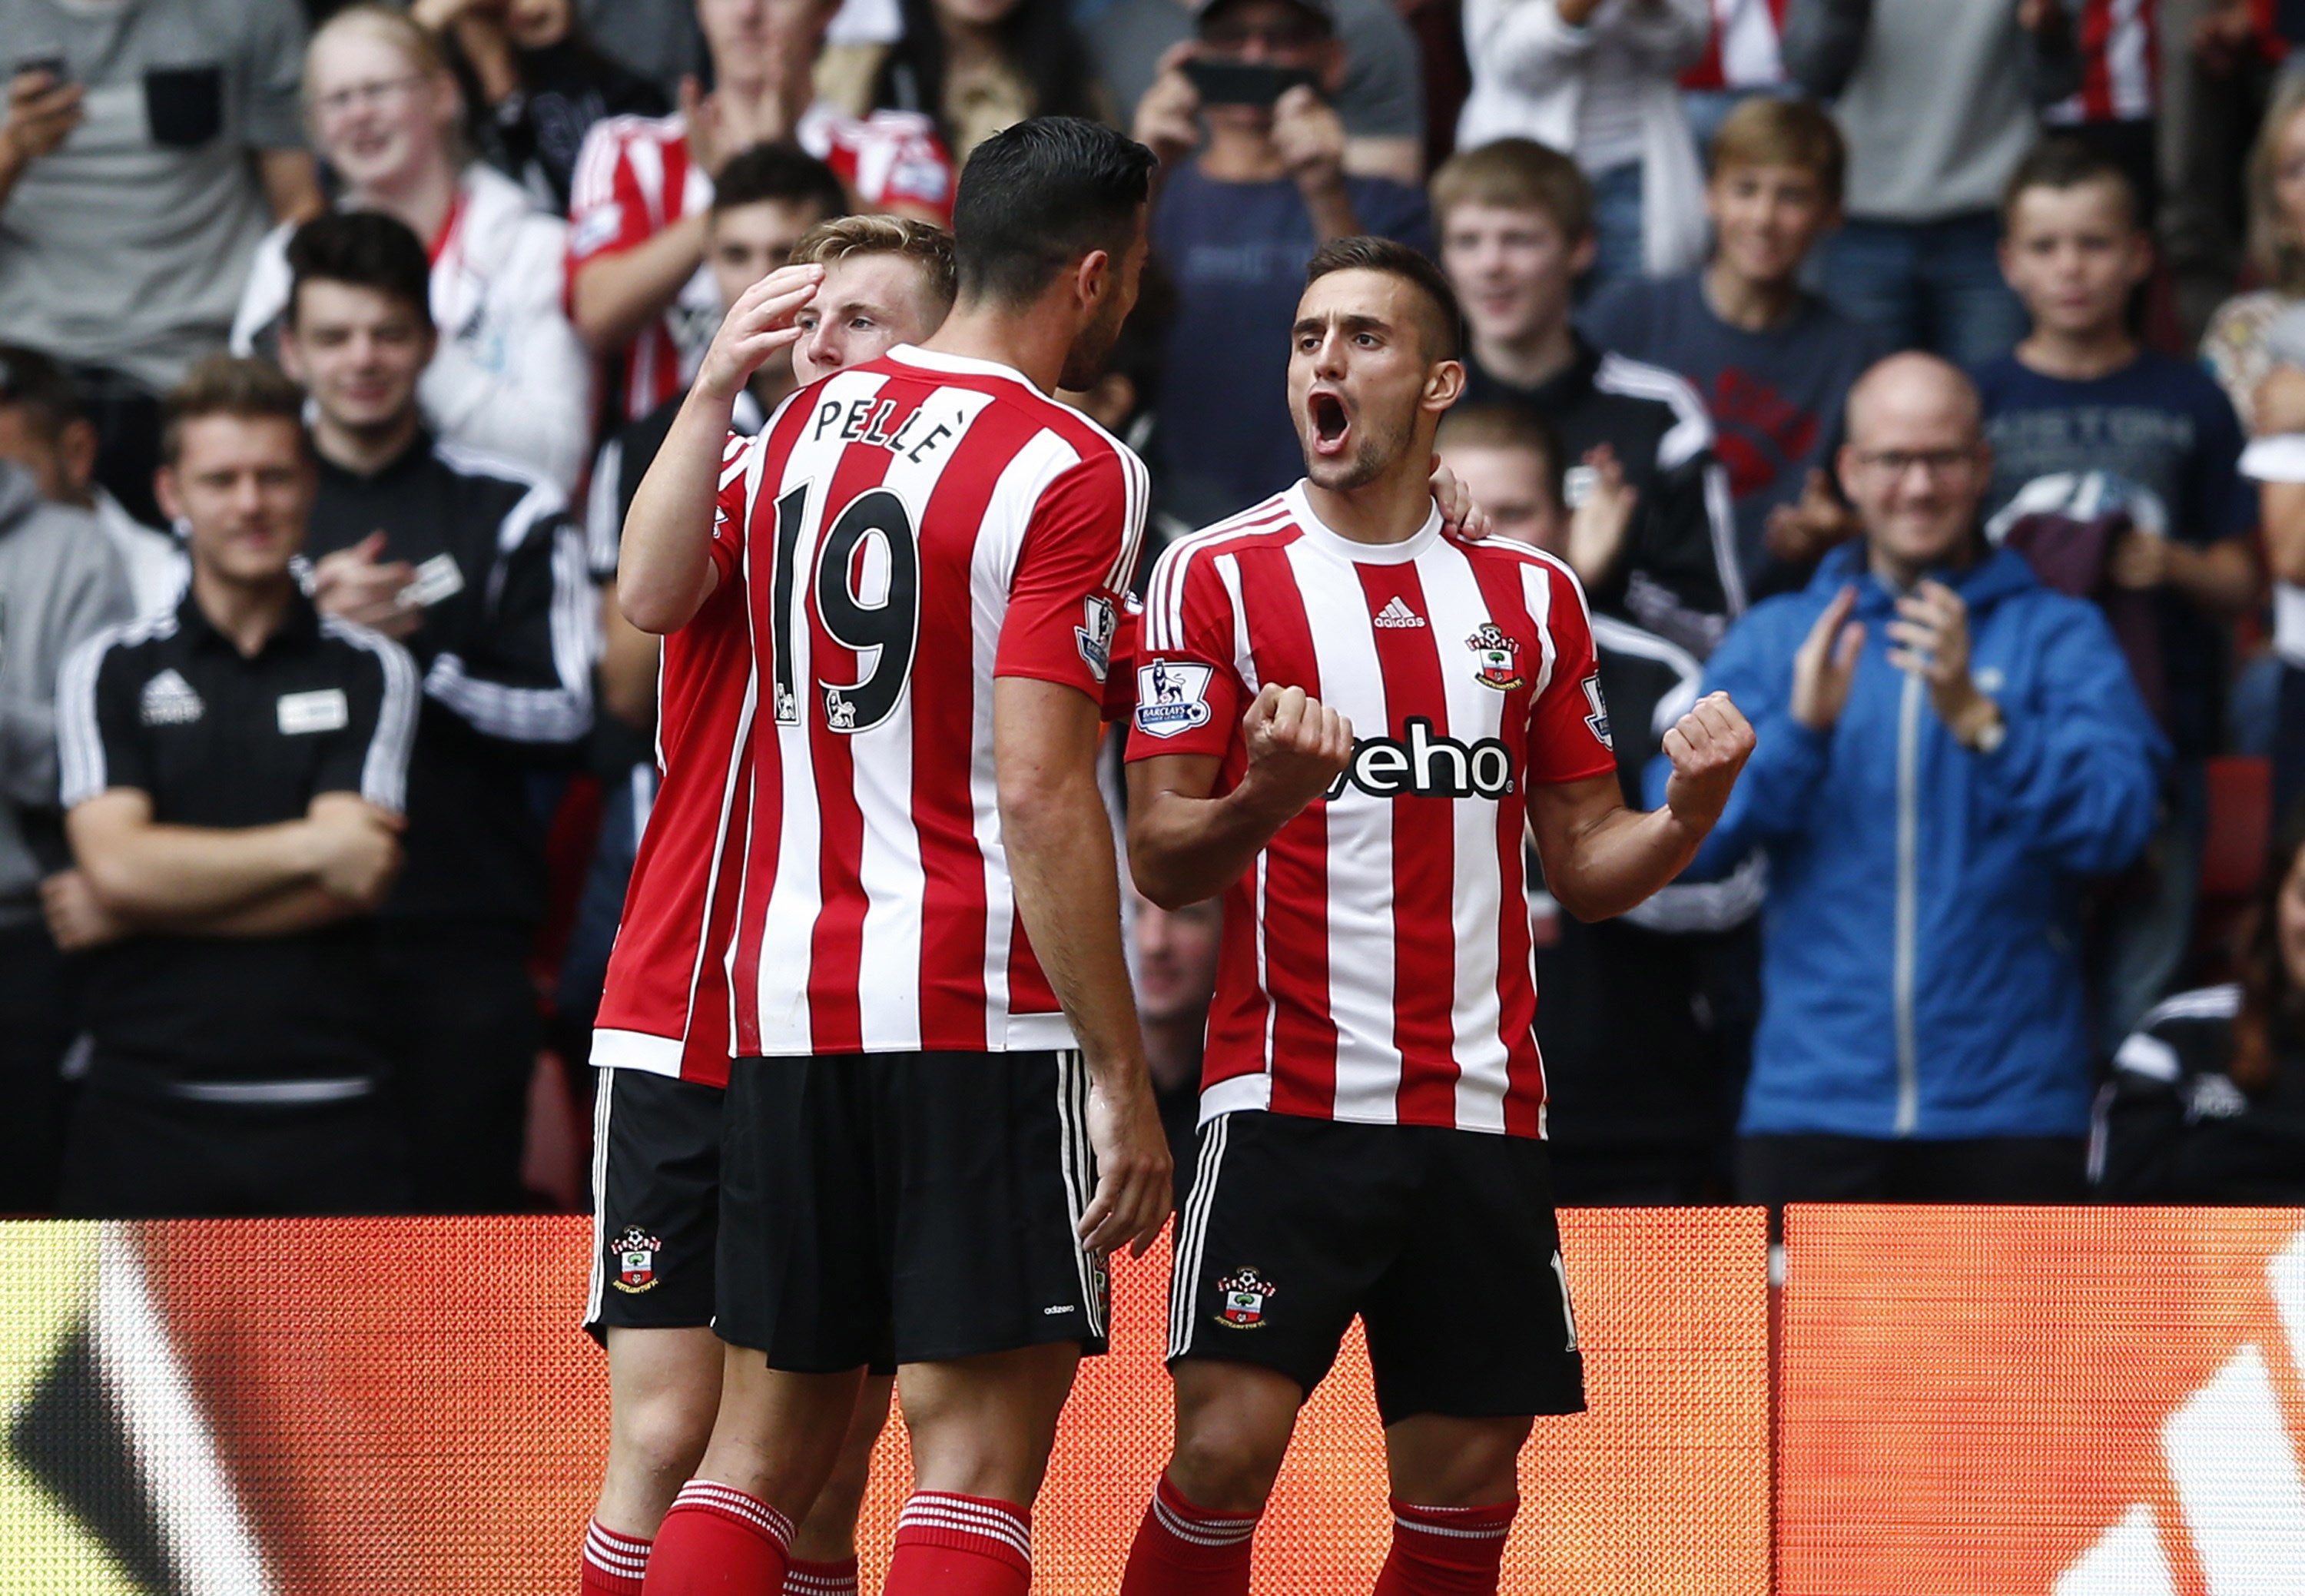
(1929, 376)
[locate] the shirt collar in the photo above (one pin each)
(300, 626)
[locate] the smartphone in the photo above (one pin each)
(1244, 82)
(59, 71)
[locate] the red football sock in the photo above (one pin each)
(952, 1545)
(718, 1541)
(803, 1577)
(1182, 1549)
(613, 1563)
(1445, 1551)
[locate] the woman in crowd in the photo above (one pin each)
(2235, 346)
(512, 378)
(2207, 1102)
(974, 66)
(535, 85)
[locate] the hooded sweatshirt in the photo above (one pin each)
(60, 581)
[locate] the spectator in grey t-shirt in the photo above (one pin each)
(148, 145)
(1381, 99)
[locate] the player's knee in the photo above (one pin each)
(1226, 1465)
(663, 1436)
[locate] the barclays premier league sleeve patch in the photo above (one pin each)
(1171, 697)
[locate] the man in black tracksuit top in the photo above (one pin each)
(1515, 224)
(478, 571)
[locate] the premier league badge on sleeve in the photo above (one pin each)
(1171, 697)
(635, 1251)
(1244, 1292)
(1094, 637)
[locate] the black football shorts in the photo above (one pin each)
(1443, 1242)
(906, 1206)
(656, 1178)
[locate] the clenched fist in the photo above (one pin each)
(1708, 746)
(1296, 745)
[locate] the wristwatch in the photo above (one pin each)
(1988, 738)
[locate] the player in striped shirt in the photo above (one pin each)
(1346, 720)
(662, 1040)
(939, 1119)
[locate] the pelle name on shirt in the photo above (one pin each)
(865, 421)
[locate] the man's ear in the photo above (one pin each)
(164, 489)
(1444, 385)
(1092, 279)
(292, 355)
(77, 446)
(1584, 253)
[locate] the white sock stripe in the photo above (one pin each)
(1018, 1544)
(631, 1563)
(953, 1513)
(597, 1530)
(1200, 1532)
(827, 1585)
(738, 1503)
(1494, 1533)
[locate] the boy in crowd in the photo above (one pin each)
(637, 282)
(477, 567)
(2085, 424)
(1772, 362)
(1639, 1026)
(1516, 225)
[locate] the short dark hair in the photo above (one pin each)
(779, 172)
(366, 249)
(2061, 161)
(1397, 259)
(1508, 427)
(37, 385)
(1038, 196)
(228, 385)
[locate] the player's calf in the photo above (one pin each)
(1233, 1424)
(822, 1561)
(1455, 1487)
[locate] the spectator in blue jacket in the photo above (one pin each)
(1947, 751)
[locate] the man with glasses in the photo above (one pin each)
(1233, 226)
(1946, 750)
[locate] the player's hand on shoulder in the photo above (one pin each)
(760, 323)
(1460, 517)
(1296, 747)
(1708, 747)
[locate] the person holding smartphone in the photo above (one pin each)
(1252, 182)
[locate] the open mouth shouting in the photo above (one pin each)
(1332, 425)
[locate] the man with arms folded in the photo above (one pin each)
(1373, 1105)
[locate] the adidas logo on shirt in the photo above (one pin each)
(1396, 614)
(169, 701)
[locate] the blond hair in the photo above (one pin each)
(2274, 246)
(1764, 130)
(1516, 175)
(382, 22)
(228, 385)
(925, 244)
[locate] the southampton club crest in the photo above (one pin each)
(635, 1251)
(1245, 1291)
(1495, 654)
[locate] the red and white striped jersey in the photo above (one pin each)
(663, 1007)
(1745, 48)
(633, 179)
(2120, 48)
(905, 532)
(1376, 965)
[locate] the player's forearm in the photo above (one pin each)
(1184, 850)
(1058, 840)
(613, 296)
(174, 874)
(1618, 861)
(663, 565)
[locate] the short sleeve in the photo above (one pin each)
(1071, 580)
(1189, 693)
(272, 80)
(606, 212)
(729, 508)
(1128, 645)
(1569, 737)
(99, 733)
(367, 754)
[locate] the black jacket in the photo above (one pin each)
(2172, 1126)
(1680, 577)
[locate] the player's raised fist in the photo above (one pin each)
(1296, 745)
(1708, 746)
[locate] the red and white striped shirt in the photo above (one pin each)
(1745, 48)
(2119, 42)
(1376, 965)
(663, 1007)
(904, 532)
(633, 179)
